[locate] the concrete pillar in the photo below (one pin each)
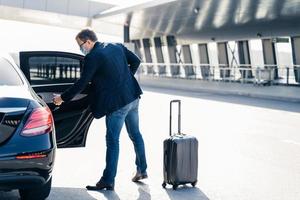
(244, 59)
(204, 59)
(171, 42)
(223, 59)
(296, 56)
(270, 56)
(159, 56)
(126, 34)
(137, 48)
(187, 59)
(148, 57)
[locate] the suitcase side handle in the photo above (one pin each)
(179, 115)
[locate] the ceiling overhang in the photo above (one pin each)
(214, 20)
(188, 20)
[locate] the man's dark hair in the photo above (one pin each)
(87, 34)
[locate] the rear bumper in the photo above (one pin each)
(21, 180)
(27, 173)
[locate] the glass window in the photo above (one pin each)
(8, 75)
(53, 69)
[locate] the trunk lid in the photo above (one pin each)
(11, 114)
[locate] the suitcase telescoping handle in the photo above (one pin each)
(179, 115)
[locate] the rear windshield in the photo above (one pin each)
(8, 75)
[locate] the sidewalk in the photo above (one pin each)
(274, 92)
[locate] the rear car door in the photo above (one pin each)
(52, 73)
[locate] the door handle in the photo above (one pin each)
(56, 108)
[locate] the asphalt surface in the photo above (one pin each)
(248, 149)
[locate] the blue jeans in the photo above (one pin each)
(114, 123)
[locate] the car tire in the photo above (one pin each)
(39, 193)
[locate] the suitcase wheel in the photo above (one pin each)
(194, 183)
(175, 187)
(164, 184)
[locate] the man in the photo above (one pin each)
(115, 94)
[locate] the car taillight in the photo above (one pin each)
(31, 156)
(39, 122)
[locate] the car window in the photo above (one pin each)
(8, 74)
(53, 69)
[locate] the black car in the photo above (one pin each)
(31, 126)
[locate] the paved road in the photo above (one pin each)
(248, 149)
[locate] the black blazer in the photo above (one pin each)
(110, 68)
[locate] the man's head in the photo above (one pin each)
(86, 39)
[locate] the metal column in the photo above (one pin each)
(187, 59)
(148, 57)
(296, 57)
(223, 59)
(126, 34)
(138, 52)
(171, 42)
(270, 57)
(204, 61)
(159, 56)
(244, 59)
(137, 48)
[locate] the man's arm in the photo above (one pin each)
(132, 59)
(89, 69)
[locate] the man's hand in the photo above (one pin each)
(57, 100)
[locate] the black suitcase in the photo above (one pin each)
(180, 156)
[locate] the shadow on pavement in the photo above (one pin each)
(183, 192)
(230, 98)
(144, 191)
(60, 193)
(109, 195)
(186, 192)
(79, 194)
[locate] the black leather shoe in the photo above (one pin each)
(139, 176)
(101, 186)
